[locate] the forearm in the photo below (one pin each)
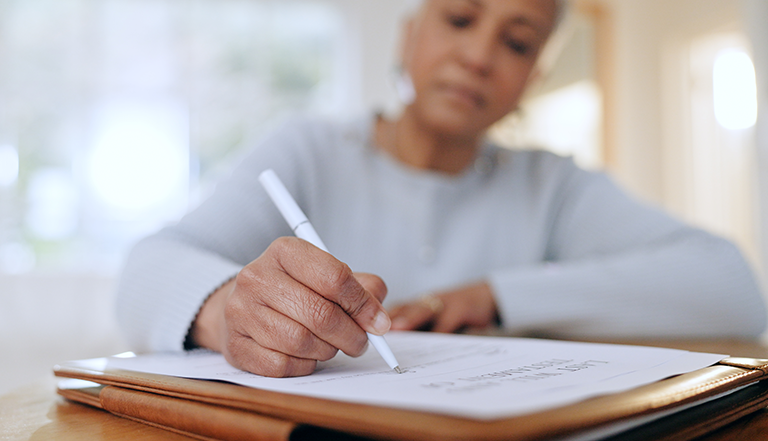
(695, 288)
(163, 285)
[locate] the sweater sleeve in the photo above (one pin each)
(618, 268)
(169, 275)
(164, 283)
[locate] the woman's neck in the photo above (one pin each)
(412, 144)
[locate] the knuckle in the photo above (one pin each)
(276, 364)
(234, 308)
(255, 283)
(299, 341)
(248, 277)
(234, 350)
(327, 353)
(280, 247)
(324, 315)
(338, 276)
(241, 306)
(244, 276)
(302, 343)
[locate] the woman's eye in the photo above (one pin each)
(518, 47)
(459, 21)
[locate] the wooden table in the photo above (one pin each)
(36, 412)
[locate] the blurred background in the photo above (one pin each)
(117, 116)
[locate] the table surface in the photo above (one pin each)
(36, 412)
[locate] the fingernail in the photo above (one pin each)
(381, 323)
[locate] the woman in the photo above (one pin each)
(524, 240)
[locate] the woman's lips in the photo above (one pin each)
(465, 94)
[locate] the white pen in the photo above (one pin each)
(301, 227)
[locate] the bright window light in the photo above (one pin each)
(139, 159)
(52, 212)
(734, 89)
(16, 258)
(566, 121)
(134, 105)
(9, 165)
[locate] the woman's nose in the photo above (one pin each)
(477, 50)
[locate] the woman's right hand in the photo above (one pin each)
(292, 306)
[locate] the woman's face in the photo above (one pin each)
(470, 60)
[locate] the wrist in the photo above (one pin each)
(208, 329)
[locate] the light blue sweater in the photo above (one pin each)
(565, 251)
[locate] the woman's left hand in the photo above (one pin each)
(470, 306)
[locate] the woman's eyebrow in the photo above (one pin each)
(474, 3)
(525, 21)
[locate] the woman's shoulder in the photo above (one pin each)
(306, 142)
(535, 161)
(538, 170)
(302, 138)
(325, 129)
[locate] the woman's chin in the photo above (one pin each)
(457, 122)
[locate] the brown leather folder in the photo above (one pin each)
(678, 408)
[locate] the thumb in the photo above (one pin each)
(373, 284)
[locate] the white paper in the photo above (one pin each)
(469, 376)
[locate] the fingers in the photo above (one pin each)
(280, 333)
(295, 305)
(419, 316)
(450, 311)
(273, 345)
(412, 316)
(244, 353)
(451, 319)
(373, 284)
(289, 317)
(334, 281)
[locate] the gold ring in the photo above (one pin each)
(433, 302)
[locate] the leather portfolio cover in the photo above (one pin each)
(678, 408)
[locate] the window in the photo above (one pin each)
(720, 155)
(114, 113)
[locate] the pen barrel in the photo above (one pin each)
(301, 227)
(307, 232)
(282, 199)
(382, 347)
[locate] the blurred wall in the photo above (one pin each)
(374, 34)
(756, 12)
(661, 143)
(642, 31)
(47, 319)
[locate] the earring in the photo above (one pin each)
(404, 86)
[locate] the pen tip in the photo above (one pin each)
(398, 370)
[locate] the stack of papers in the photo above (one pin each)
(483, 378)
